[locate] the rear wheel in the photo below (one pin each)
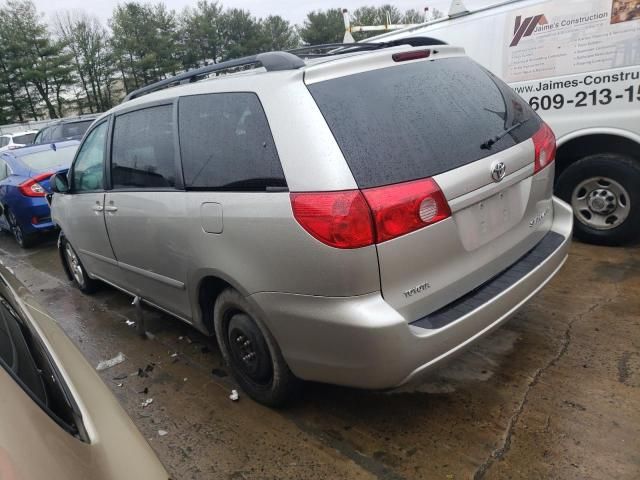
(76, 269)
(253, 356)
(23, 239)
(604, 192)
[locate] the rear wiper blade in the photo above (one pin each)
(489, 143)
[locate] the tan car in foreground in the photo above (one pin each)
(57, 418)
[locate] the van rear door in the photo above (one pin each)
(447, 119)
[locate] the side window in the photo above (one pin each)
(24, 357)
(39, 137)
(226, 144)
(88, 169)
(143, 149)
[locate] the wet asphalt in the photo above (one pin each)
(555, 393)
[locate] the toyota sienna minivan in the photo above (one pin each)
(352, 216)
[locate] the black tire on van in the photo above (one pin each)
(251, 352)
(74, 267)
(604, 191)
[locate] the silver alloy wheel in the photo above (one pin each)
(74, 264)
(600, 203)
(15, 228)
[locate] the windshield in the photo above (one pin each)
(25, 139)
(46, 159)
(420, 119)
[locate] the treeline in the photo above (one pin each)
(78, 65)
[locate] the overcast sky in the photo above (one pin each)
(293, 10)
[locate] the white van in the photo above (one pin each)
(577, 62)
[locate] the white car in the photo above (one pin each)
(9, 141)
(577, 63)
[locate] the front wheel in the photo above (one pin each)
(253, 356)
(604, 192)
(76, 269)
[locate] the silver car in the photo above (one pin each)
(354, 218)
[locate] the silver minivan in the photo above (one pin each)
(352, 218)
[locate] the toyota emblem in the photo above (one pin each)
(498, 171)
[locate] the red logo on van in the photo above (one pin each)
(524, 28)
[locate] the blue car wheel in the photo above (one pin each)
(24, 240)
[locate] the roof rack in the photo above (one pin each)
(330, 49)
(271, 61)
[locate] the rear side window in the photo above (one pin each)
(420, 119)
(226, 144)
(143, 149)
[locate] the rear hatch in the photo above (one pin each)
(444, 126)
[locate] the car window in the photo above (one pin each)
(24, 357)
(88, 169)
(143, 149)
(75, 129)
(49, 158)
(4, 171)
(25, 139)
(39, 136)
(226, 143)
(420, 119)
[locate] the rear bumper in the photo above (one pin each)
(30, 208)
(363, 342)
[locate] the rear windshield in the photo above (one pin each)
(420, 119)
(49, 158)
(75, 129)
(25, 139)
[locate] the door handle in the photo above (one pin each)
(98, 208)
(110, 208)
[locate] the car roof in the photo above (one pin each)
(64, 121)
(17, 134)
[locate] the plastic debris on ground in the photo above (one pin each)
(234, 396)
(162, 433)
(130, 322)
(146, 403)
(112, 362)
(174, 355)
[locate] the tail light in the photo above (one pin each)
(354, 218)
(32, 187)
(405, 207)
(544, 141)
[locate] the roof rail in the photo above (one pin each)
(330, 49)
(271, 61)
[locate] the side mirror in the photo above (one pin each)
(59, 183)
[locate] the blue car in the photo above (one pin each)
(24, 184)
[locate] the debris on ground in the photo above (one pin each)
(180, 338)
(121, 377)
(185, 379)
(174, 355)
(145, 391)
(119, 385)
(112, 362)
(234, 396)
(162, 433)
(130, 323)
(218, 372)
(146, 403)
(149, 367)
(141, 373)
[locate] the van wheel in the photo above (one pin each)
(253, 356)
(604, 192)
(77, 270)
(24, 240)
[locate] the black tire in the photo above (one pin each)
(24, 240)
(75, 268)
(263, 373)
(616, 176)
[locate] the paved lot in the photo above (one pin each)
(553, 394)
